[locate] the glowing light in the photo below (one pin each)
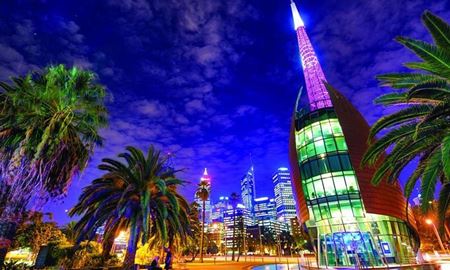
(298, 22)
(314, 78)
(261, 199)
(428, 221)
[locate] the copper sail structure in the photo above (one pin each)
(350, 222)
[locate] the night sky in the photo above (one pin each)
(211, 81)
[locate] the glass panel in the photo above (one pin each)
(314, 168)
(316, 130)
(334, 163)
(310, 152)
(341, 145)
(357, 208)
(308, 134)
(303, 154)
(351, 183)
(337, 130)
(310, 191)
(300, 138)
(346, 165)
(335, 212)
(320, 147)
(326, 128)
(339, 182)
(329, 187)
(330, 145)
(325, 211)
(319, 188)
(346, 208)
(316, 212)
(322, 166)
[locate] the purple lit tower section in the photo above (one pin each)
(314, 78)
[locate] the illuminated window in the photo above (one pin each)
(330, 145)
(357, 208)
(319, 189)
(326, 128)
(320, 147)
(341, 145)
(316, 130)
(339, 182)
(351, 183)
(329, 187)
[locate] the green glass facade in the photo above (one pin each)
(348, 235)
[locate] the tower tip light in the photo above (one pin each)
(298, 22)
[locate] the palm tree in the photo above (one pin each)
(69, 232)
(420, 130)
(202, 193)
(135, 195)
(49, 123)
(195, 231)
(234, 200)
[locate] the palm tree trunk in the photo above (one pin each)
(128, 263)
(107, 246)
(203, 232)
(234, 233)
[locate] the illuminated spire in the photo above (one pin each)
(298, 22)
(314, 78)
(205, 177)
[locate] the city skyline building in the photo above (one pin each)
(284, 195)
(208, 210)
(248, 191)
(265, 215)
(243, 220)
(219, 208)
(349, 220)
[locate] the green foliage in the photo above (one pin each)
(138, 195)
(49, 124)
(420, 129)
(35, 232)
(15, 265)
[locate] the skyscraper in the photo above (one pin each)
(351, 220)
(205, 177)
(284, 197)
(240, 215)
(248, 189)
(265, 214)
(219, 208)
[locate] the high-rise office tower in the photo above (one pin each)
(205, 177)
(284, 198)
(248, 189)
(240, 217)
(219, 208)
(265, 215)
(350, 220)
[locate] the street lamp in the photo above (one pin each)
(430, 222)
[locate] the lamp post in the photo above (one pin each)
(430, 222)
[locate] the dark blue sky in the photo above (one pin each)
(211, 81)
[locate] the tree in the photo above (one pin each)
(195, 232)
(69, 232)
(35, 232)
(49, 124)
(202, 193)
(234, 200)
(135, 195)
(420, 130)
